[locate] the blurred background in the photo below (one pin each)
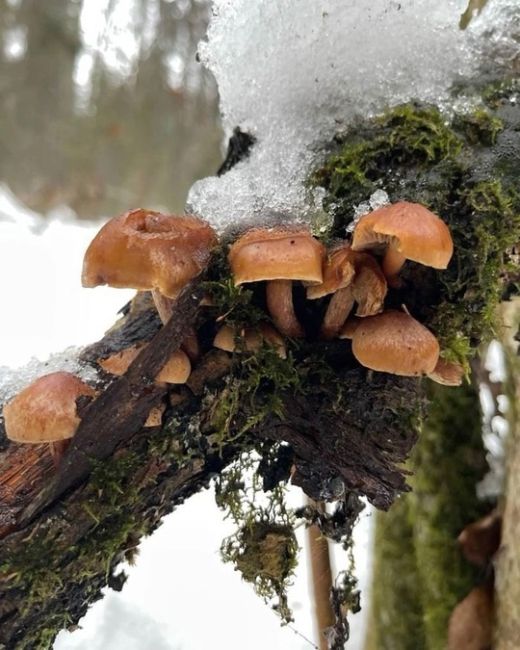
(103, 105)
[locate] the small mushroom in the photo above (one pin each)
(479, 541)
(348, 329)
(279, 255)
(149, 251)
(252, 339)
(175, 371)
(408, 231)
(471, 622)
(395, 342)
(155, 415)
(447, 373)
(45, 411)
(352, 277)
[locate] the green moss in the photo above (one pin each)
(419, 572)
(496, 93)
(448, 460)
(478, 127)
(396, 615)
(254, 387)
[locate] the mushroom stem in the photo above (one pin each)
(58, 449)
(391, 265)
(339, 308)
(280, 306)
(163, 305)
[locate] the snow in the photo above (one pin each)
(45, 308)
(293, 73)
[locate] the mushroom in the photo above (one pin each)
(480, 540)
(471, 623)
(45, 411)
(278, 255)
(350, 326)
(395, 342)
(149, 251)
(175, 371)
(447, 373)
(252, 337)
(352, 277)
(409, 231)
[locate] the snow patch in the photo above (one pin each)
(13, 380)
(294, 73)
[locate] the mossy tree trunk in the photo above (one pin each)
(338, 430)
(508, 560)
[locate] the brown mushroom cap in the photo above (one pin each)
(45, 411)
(395, 342)
(447, 373)
(148, 250)
(276, 254)
(175, 371)
(345, 267)
(117, 363)
(369, 286)
(253, 338)
(349, 327)
(338, 272)
(417, 233)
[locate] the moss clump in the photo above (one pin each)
(420, 573)
(265, 554)
(416, 154)
(264, 547)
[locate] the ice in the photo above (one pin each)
(293, 73)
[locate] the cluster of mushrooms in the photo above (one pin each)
(149, 251)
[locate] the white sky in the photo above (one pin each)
(180, 595)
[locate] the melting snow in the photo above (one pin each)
(296, 72)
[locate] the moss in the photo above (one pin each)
(263, 548)
(497, 93)
(368, 156)
(419, 572)
(396, 615)
(448, 460)
(254, 386)
(265, 553)
(416, 154)
(478, 127)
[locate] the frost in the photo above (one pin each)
(293, 73)
(13, 380)
(377, 200)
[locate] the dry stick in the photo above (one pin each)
(321, 578)
(121, 410)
